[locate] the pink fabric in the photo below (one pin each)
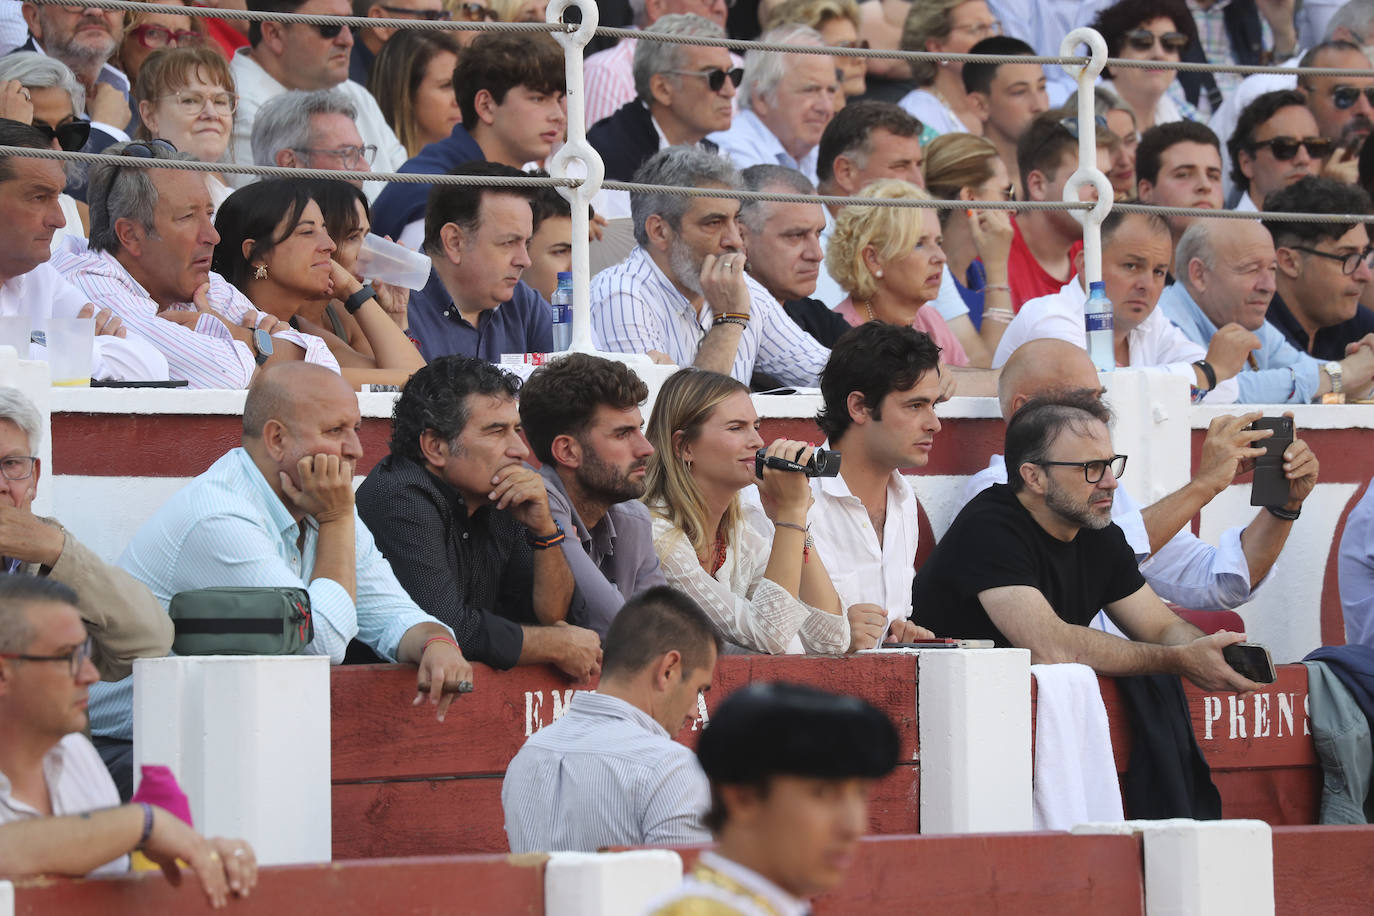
(159, 787)
(928, 319)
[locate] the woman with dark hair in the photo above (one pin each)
(412, 79)
(275, 248)
(1155, 30)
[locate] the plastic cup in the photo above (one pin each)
(70, 341)
(379, 259)
(14, 332)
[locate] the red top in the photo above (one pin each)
(228, 38)
(1028, 280)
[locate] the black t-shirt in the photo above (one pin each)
(995, 542)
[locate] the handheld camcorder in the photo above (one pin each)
(823, 463)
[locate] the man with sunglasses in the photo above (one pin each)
(1276, 143)
(368, 42)
(59, 810)
(1323, 271)
(1342, 105)
(286, 56)
(1029, 563)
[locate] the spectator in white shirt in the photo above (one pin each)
(785, 102)
(1136, 253)
(311, 130)
(286, 56)
(1276, 143)
(683, 293)
(30, 213)
(952, 27)
(152, 241)
(608, 773)
(878, 392)
(1178, 565)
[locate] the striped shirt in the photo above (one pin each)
(636, 308)
(605, 774)
(609, 79)
(228, 528)
(206, 357)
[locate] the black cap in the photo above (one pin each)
(766, 729)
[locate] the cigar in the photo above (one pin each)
(1251, 361)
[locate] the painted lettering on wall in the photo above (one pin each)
(534, 708)
(1263, 715)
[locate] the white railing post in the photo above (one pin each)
(578, 149)
(1087, 172)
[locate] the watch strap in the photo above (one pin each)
(1336, 372)
(355, 301)
(1208, 373)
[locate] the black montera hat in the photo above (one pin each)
(766, 729)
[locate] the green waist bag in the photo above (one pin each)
(241, 621)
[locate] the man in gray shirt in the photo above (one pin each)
(582, 419)
(608, 773)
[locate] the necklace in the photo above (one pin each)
(869, 307)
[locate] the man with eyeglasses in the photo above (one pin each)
(368, 42)
(1276, 143)
(1323, 271)
(284, 56)
(1006, 97)
(59, 810)
(311, 130)
(683, 93)
(122, 618)
(1029, 563)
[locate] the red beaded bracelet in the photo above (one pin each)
(446, 639)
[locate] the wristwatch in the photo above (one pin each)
(262, 345)
(355, 301)
(1333, 371)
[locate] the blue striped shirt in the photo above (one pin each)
(605, 774)
(227, 527)
(636, 308)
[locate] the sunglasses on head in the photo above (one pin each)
(1285, 148)
(1071, 124)
(71, 136)
(1144, 40)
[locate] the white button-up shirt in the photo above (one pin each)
(1154, 343)
(750, 142)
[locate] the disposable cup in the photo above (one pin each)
(14, 332)
(69, 351)
(379, 259)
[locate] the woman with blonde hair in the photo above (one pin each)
(951, 26)
(519, 10)
(837, 21)
(186, 97)
(767, 598)
(412, 80)
(977, 242)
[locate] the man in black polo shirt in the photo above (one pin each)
(465, 523)
(1029, 563)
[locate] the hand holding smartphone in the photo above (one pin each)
(1269, 486)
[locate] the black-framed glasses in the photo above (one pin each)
(350, 156)
(715, 78)
(1093, 471)
(474, 12)
(17, 467)
(1344, 97)
(71, 136)
(74, 659)
(1349, 262)
(402, 12)
(1285, 148)
(1144, 40)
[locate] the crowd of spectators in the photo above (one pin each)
(641, 549)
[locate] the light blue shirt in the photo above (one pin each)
(1042, 24)
(605, 774)
(1355, 569)
(749, 142)
(228, 528)
(1286, 375)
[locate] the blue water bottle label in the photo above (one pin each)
(1098, 322)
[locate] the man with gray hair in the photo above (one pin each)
(610, 80)
(683, 93)
(152, 238)
(683, 293)
(1226, 274)
(311, 130)
(785, 101)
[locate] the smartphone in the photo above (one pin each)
(940, 644)
(1252, 661)
(1269, 487)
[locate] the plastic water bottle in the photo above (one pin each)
(561, 303)
(1097, 318)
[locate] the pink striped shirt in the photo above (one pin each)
(610, 80)
(928, 319)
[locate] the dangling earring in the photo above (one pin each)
(688, 462)
(260, 272)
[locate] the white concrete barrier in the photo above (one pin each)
(608, 884)
(6, 898)
(248, 739)
(973, 710)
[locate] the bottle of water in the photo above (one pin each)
(1097, 318)
(562, 311)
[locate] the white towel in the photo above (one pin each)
(1075, 774)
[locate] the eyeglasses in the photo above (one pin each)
(329, 32)
(981, 30)
(1344, 97)
(474, 12)
(157, 36)
(1144, 40)
(1285, 148)
(74, 659)
(350, 156)
(1349, 262)
(1093, 471)
(17, 467)
(71, 136)
(715, 79)
(193, 103)
(431, 15)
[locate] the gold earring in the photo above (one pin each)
(260, 272)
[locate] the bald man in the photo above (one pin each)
(278, 511)
(1227, 275)
(1178, 565)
